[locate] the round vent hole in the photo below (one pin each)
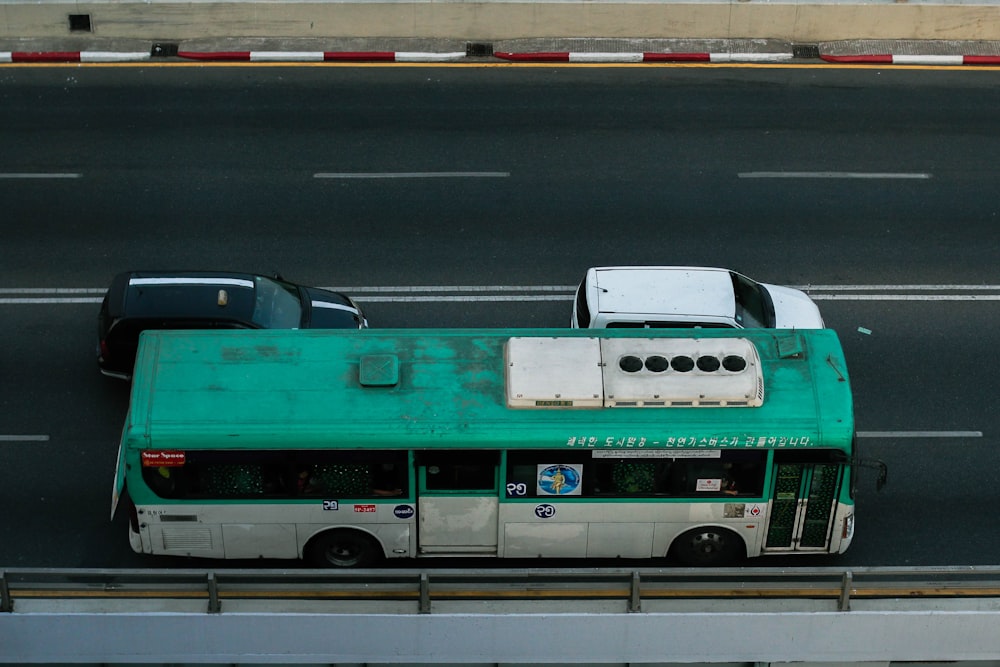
(734, 363)
(682, 363)
(630, 364)
(708, 364)
(657, 364)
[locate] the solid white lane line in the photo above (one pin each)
(905, 297)
(51, 300)
(467, 299)
(358, 289)
(834, 174)
(920, 434)
(24, 438)
(414, 174)
(404, 289)
(871, 288)
(53, 290)
(472, 293)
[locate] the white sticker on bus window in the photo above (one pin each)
(559, 479)
(709, 485)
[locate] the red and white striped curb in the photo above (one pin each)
(72, 56)
(914, 60)
(430, 57)
(322, 56)
(645, 57)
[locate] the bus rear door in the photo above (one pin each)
(458, 502)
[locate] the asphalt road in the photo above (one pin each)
(447, 179)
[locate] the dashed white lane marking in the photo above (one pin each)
(835, 174)
(413, 174)
(38, 175)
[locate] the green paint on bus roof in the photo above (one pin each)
(302, 389)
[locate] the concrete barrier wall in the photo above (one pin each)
(804, 22)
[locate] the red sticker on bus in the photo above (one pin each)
(162, 459)
(364, 508)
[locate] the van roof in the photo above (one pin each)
(668, 290)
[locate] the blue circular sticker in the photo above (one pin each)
(402, 511)
(545, 511)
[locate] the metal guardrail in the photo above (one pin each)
(632, 588)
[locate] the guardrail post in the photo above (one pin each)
(6, 604)
(214, 604)
(635, 594)
(845, 591)
(425, 594)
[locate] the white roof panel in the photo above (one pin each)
(554, 373)
(665, 290)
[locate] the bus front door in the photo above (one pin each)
(457, 503)
(803, 499)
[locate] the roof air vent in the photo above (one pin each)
(663, 372)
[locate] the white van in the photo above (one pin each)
(687, 296)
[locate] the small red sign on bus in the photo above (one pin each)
(162, 459)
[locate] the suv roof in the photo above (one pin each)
(140, 300)
(188, 294)
(687, 296)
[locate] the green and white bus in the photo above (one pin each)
(346, 447)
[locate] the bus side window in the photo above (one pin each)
(460, 470)
(634, 477)
(734, 473)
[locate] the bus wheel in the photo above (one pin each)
(707, 547)
(342, 548)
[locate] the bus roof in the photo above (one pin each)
(490, 388)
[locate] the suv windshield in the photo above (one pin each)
(277, 305)
(753, 304)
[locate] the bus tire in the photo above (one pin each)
(342, 548)
(708, 546)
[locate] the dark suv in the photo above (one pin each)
(140, 300)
